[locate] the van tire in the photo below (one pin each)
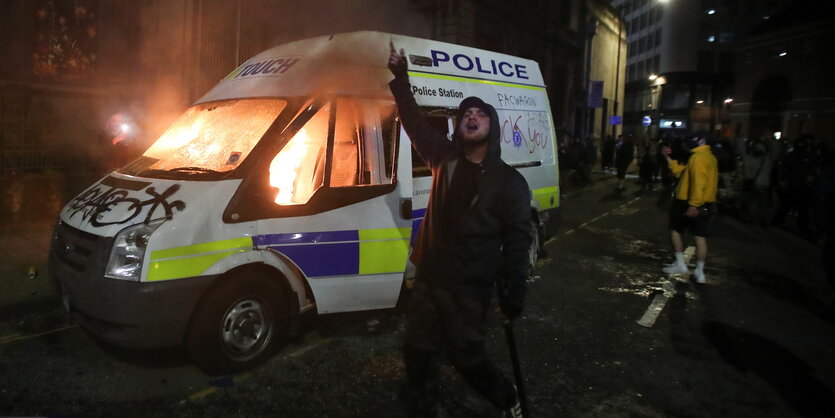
(237, 325)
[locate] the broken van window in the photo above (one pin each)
(298, 170)
(211, 137)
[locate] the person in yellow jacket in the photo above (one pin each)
(694, 203)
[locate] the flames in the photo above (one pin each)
(298, 169)
(285, 167)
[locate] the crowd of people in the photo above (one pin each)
(766, 182)
(786, 183)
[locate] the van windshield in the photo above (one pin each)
(209, 138)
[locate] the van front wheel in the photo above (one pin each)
(236, 326)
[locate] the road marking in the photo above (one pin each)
(6, 339)
(660, 300)
(593, 220)
(196, 396)
(599, 184)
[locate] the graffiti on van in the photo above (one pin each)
(99, 204)
(528, 131)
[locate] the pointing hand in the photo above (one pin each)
(397, 62)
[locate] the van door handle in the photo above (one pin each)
(406, 208)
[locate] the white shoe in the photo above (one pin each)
(698, 276)
(675, 268)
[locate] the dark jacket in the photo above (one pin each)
(492, 236)
(624, 153)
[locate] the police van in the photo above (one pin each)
(290, 187)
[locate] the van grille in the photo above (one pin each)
(76, 249)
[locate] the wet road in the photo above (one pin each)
(756, 340)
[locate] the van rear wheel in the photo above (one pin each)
(237, 325)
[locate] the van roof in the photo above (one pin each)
(355, 63)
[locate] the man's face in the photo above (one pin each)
(474, 125)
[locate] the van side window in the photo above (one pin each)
(419, 167)
(362, 146)
(347, 140)
(389, 128)
(298, 170)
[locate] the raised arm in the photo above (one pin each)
(428, 141)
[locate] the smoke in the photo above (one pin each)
(187, 47)
(299, 19)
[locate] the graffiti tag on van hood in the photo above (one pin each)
(105, 204)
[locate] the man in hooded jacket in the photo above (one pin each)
(476, 230)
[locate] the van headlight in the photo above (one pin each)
(125, 262)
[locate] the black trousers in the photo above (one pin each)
(442, 322)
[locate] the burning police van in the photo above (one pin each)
(290, 187)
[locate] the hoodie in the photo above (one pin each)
(491, 239)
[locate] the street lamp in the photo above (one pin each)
(653, 77)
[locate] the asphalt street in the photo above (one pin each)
(604, 334)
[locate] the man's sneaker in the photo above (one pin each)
(514, 411)
(698, 276)
(675, 268)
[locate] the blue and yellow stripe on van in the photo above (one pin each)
(192, 260)
(317, 254)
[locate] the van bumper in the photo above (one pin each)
(131, 314)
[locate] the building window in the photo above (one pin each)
(658, 38)
(675, 97)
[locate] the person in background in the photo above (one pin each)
(797, 173)
(825, 207)
(694, 203)
(624, 154)
(647, 163)
(476, 231)
(589, 157)
(607, 154)
(756, 182)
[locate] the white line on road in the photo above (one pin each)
(593, 220)
(660, 300)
